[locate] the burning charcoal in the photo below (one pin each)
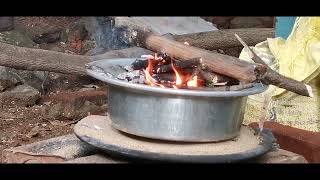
(192, 63)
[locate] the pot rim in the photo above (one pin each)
(256, 89)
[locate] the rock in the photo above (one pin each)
(52, 150)
(74, 105)
(6, 23)
(48, 37)
(72, 111)
(5, 84)
(31, 78)
(17, 38)
(33, 132)
(22, 95)
(35, 26)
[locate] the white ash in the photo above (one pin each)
(147, 56)
(138, 80)
(135, 76)
(128, 68)
(100, 71)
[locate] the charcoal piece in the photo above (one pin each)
(191, 63)
(139, 64)
(165, 59)
(164, 77)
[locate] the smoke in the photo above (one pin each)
(106, 35)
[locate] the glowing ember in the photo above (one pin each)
(193, 82)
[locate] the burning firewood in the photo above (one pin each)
(167, 72)
(164, 64)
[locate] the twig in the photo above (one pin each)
(264, 112)
(252, 54)
(275, 78)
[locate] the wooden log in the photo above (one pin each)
(44, 60)
(219, 63)
(274, 78)
(214, 78)
(223, 39)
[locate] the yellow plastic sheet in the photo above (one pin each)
(298, 57)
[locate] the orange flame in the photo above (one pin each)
(193, 82)
(149, 78)
(178, 78)
(148, 72)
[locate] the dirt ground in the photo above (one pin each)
(25, 125)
